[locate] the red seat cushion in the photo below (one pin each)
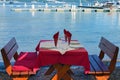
(25, 62)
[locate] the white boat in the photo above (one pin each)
(59, 2)
(55, 1)
(108, 4)
(97, 4)
(118, 4)
(33, 1)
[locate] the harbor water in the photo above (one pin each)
(28, 27)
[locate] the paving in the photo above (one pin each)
(78, 74)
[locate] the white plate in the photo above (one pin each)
(74, 42)
(76, 46)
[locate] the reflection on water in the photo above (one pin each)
(33, 13)
(118, 19)
(30, 27)
(73, 14)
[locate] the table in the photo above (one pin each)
(62, 58)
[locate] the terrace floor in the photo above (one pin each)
(78, 74)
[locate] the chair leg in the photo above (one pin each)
(104, 77)
(20, 78)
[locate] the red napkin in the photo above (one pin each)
(55, 37)
(69, 35)
(37, 47)
(65, 32)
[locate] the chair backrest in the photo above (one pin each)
(109, 49)
(9, 51)
(55, 37)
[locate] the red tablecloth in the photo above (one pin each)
(77, 57)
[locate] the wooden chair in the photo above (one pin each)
(97, 67)
(25, 62)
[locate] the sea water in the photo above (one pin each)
(29, 27)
